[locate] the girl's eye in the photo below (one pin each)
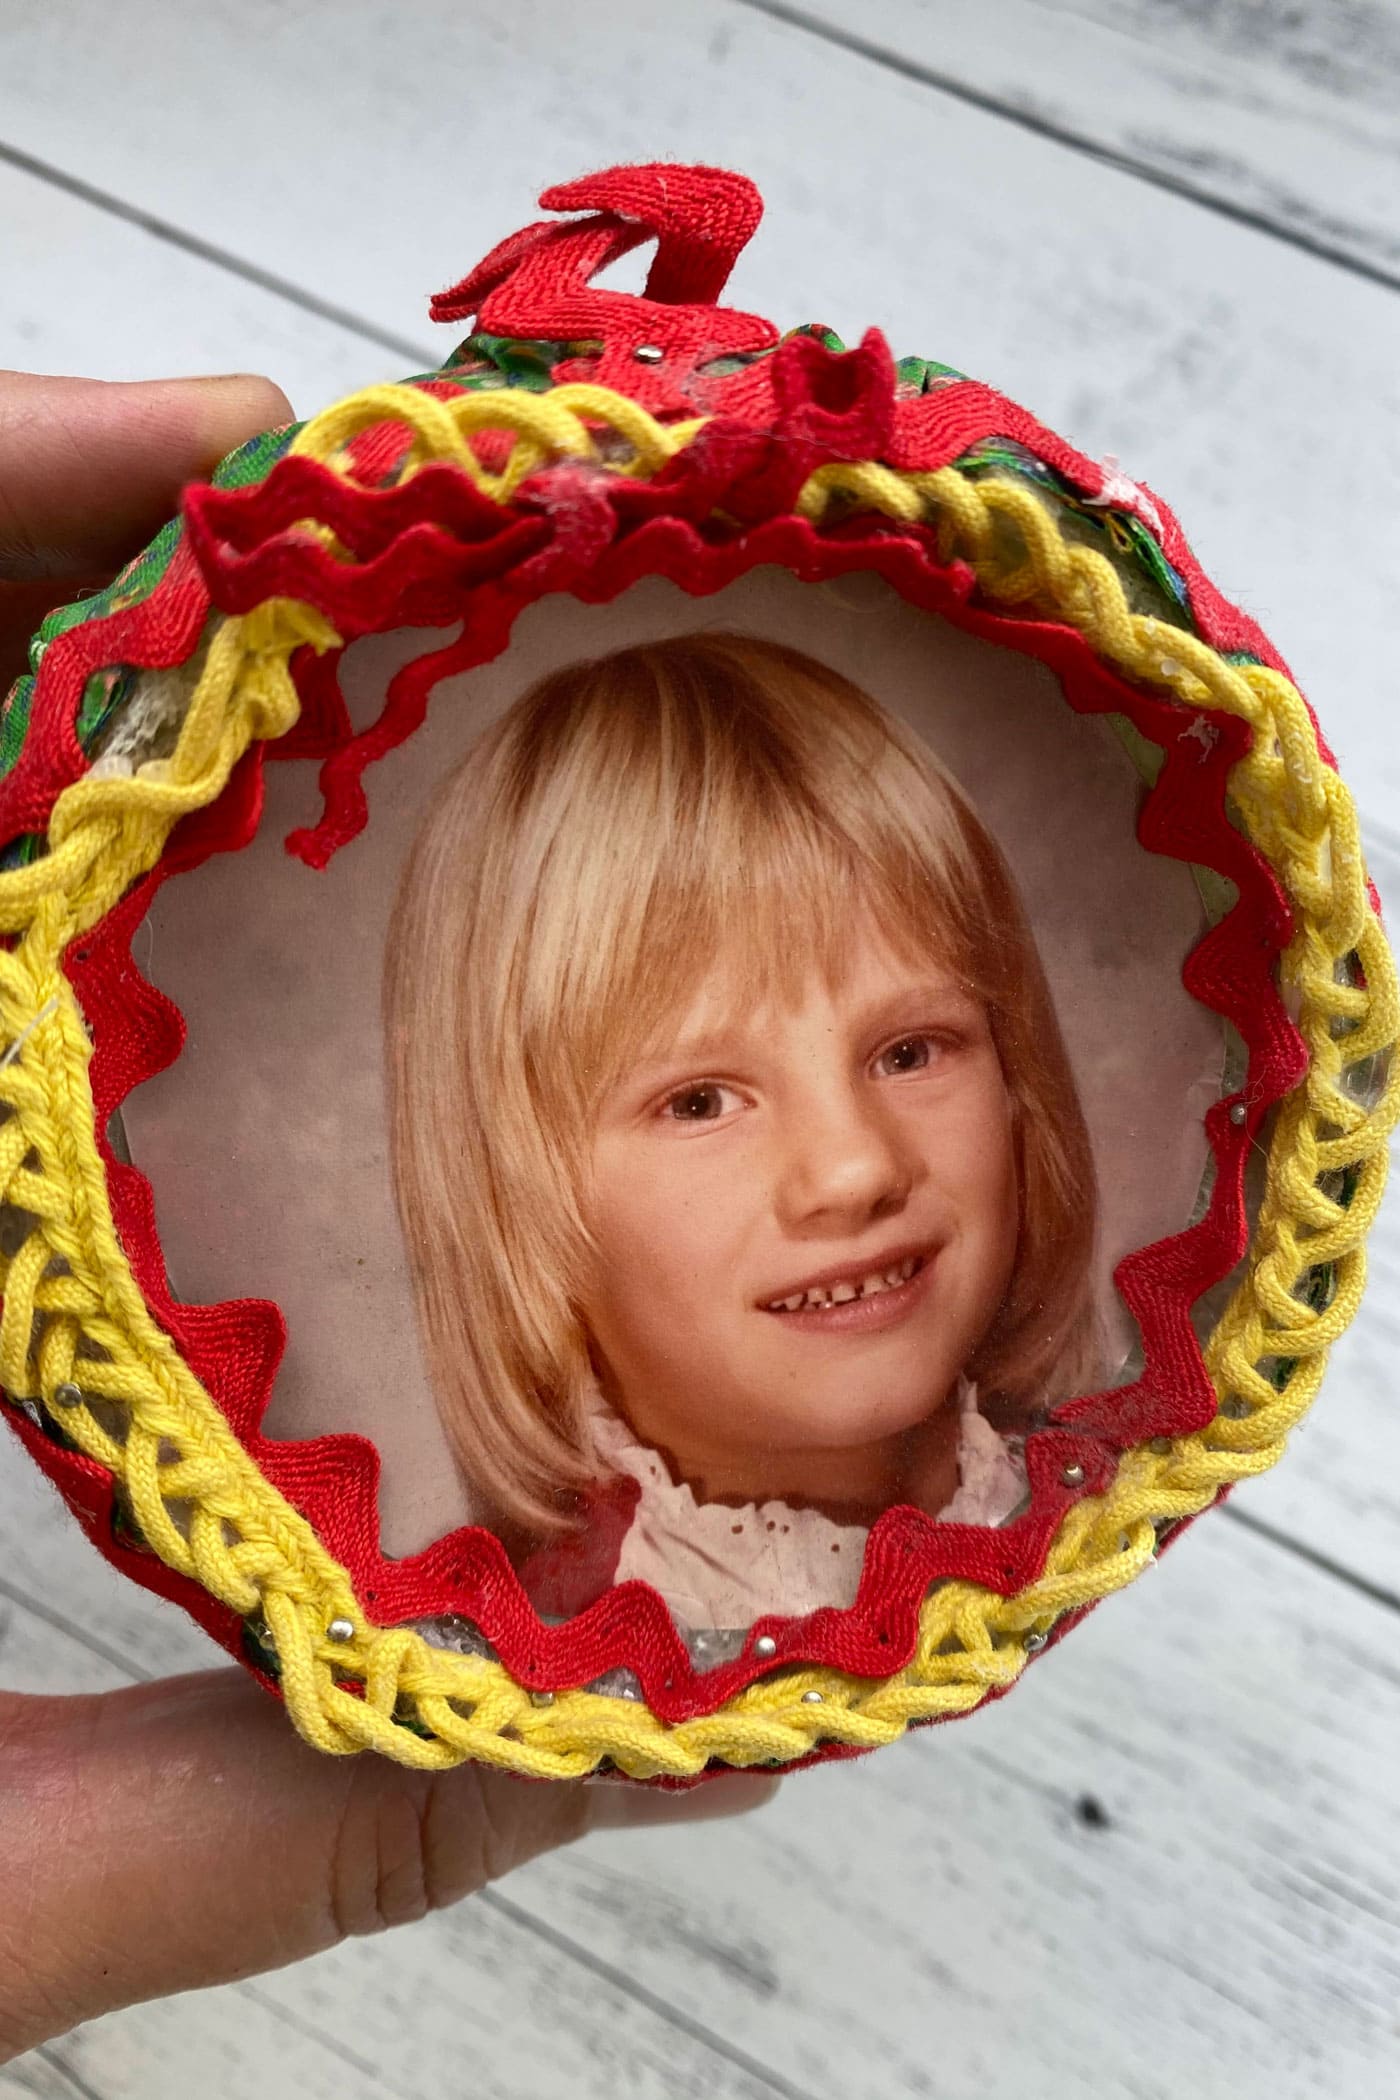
(695, 1104)
(914, 1052)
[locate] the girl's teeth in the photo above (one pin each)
(842, 1293)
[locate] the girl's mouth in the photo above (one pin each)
(862, 1314)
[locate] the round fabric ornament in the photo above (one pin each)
(692, 1039)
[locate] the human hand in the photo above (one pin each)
(180, 1834)
(91, 469)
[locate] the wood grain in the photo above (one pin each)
(1285, 117)
(90, 295)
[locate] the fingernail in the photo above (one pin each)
(618, 1803)
(228, 407)
(210, 379)
(241, 388)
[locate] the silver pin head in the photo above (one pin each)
(1239, 1114)
(649, 354)
(341, 1630)
(1034, 1642)
(541, 1698)
(68, 1394)
(765, 1645)
(811, 1698)
(1073, 1476)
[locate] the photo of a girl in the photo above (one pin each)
(744, 1182)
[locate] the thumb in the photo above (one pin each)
(181, 1834)
(90, 469)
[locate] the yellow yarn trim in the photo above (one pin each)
(555, 425)
(75, 1330)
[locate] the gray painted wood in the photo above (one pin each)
(946, 1918)
(1286, 116)
(87, 294)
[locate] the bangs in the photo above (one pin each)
(739, 817)
(756, 949)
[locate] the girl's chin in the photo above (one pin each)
(853, 1463)
(899, 1379)
(846, 1427)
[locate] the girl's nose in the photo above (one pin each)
(844, 1161)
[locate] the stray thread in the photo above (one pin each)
(50, 1006)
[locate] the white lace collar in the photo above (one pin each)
(718, 1566)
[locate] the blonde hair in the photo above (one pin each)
(628, 825)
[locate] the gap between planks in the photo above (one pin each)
(1058, 134)
(422, 358)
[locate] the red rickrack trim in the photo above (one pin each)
(536, 284)
(433, 551)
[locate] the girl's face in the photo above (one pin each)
(769, 1152)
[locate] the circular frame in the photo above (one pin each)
(410, 506)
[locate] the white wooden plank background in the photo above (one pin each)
(940, 1919)
(1286, 117)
